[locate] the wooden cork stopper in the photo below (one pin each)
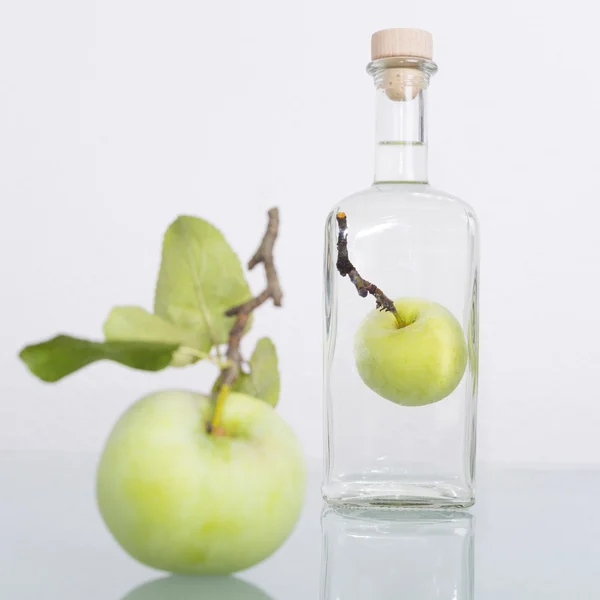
(402, 83)
(415, 43)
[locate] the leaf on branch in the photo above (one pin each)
(60, 356)
(200, 278)
(133, 323)
(263, 380)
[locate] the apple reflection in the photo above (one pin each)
(386, 555)
(177, 587)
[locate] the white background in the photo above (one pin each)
(116, 116)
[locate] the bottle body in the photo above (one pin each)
(420, 246)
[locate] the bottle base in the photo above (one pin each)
(395, 495)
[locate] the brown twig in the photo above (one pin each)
(242, 312)
(345, 267)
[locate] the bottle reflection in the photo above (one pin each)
(178, 587)
(386, 555)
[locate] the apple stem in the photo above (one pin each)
(345, 267)
(399, 320)
(219, 405)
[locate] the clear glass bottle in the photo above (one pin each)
(397, 554)
(400, 389)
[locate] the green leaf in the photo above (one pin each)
(54, 359)
(263, 380)
(200, 278)
(132, 323)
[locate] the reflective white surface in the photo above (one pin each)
(533, 534)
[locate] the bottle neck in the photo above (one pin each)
(401, 140)
(400, 125)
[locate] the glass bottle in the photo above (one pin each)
(397, 554)
(400, 384)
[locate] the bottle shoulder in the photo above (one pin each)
(387, 199)
(434, 193)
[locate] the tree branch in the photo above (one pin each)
(345, 267)
(242, 312)
(264, 255)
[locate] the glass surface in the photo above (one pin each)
(397, 554)
(412, 242)
(534, 534)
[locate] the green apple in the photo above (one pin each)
(182, 500)
(417, 362)
(177, 587)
